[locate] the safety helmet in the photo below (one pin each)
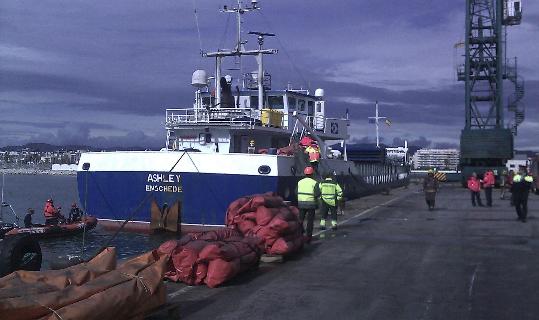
(49, 200)
(308, 171)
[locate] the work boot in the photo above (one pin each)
(333, 225)
(322, 224)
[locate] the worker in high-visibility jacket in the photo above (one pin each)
(313, 151)
(331, 195)
(308, 192)
(522, 183)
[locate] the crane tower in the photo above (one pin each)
(486, 140)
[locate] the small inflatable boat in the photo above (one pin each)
(59, 230)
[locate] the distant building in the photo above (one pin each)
(520, 160)
(64, 167)
(399, 154)
(442, 159)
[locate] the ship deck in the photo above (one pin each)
(391, 259)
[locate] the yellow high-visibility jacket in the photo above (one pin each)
(308, 193)
(331, 192)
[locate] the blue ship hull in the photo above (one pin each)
(120, 186)
(203, 197)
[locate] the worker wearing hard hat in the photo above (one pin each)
(430, 187)
(51, 213)
(308, 192)
(522, 183)
(475, 189)
(313, 151)
(488, 184)
(331, 195)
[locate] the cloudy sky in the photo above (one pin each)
(102, 72)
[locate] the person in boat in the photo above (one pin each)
(75, 214)
(308, 193)
(331, 195)
(51, 213)
(28, 218)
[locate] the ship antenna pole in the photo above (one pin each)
(377, 119)
(239, 11)
(2, 203)
(238, 20)
(377, 132)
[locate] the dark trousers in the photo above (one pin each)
(430, 198)
(488, 195)
(309, 213)
(51, 221)
(325, 209)
(521, 205)
(476, 195)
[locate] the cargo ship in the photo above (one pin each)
(238, 138)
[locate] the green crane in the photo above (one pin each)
(486, 142)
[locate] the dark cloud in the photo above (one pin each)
(128, 60)
(132, 139)
(57, 125)
(93, 95)
(444, 105)
(420, 142)
(73, 134)
(446, 145)
(365, 140)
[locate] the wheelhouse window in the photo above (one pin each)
(310, 106)
(253, 102)
(301, 105)
(291, 103)
(208, 101)
(276, 102)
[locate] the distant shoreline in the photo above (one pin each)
(27, 171)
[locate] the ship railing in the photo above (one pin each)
(316, 122)
(228, 116)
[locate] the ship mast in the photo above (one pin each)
(239, 51)
(376, 119)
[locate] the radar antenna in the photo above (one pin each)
(260, 37)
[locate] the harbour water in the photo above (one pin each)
(31, 191)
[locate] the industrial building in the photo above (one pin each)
(442, 159)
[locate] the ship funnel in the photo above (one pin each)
(199, 79)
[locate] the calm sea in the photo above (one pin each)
(31, 191)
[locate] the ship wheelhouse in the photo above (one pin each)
(230, 128)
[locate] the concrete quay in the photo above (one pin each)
(391, 258)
